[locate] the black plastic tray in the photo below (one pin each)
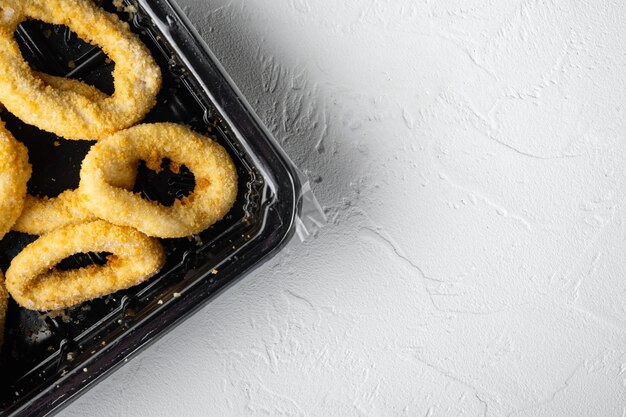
(48, 359)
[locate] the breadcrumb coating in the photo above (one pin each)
(34, 283)
(42, 215)
(14, 174)
(72, 109)
(4, 299)
(215, 174)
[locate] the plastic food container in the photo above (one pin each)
(48, 359)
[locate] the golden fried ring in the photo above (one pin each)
(44, 214)
(14, 174)
(4, 300)
(214, 171)
(69, 112)
(35, 284)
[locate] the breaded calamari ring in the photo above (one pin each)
(44, 214)
(215, 175)
(4, 300)
(34, 283)
(14, 174)
(70, 112)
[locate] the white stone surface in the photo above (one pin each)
(470, 155)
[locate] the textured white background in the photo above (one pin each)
(470, 155)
